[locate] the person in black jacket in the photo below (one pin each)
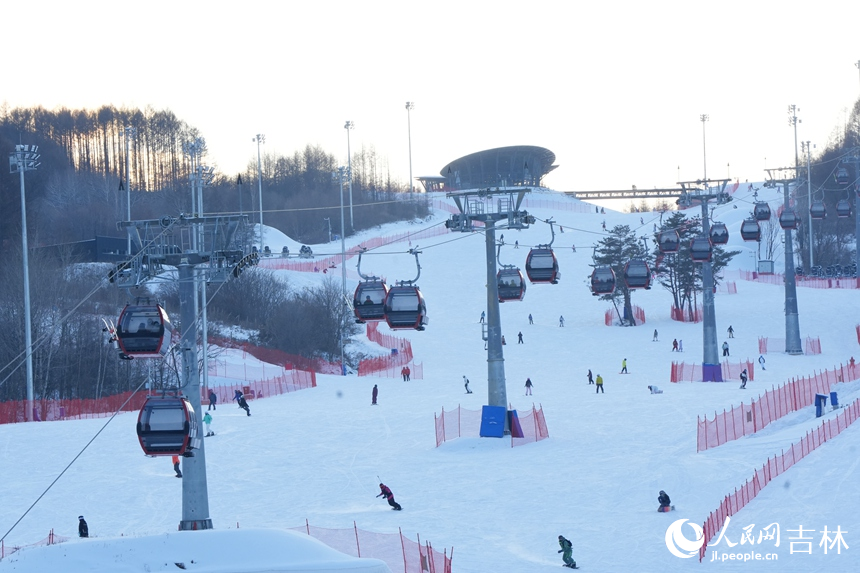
(665, 502)
(213, 400)
(83, 529)
(386, 492)
(240, 398)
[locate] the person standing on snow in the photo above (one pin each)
(175, 460)
(744, 379)
(567, 552)
(590, 379)
(385, 491)
(599, 385)
(83, 528)
(213, 399)
(624, 366)
(207, 419)
(373, 395)
(675, 345)
(528, 386)
(561, 321)
(680, 346)
(531, 320)
(466, 380)
(761, 361)
(655, 336)
(731, 331)
(483, 316)
(520, 338)
(725, 348)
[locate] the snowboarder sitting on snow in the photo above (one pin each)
(655, 390)
(744, 379)
(386, 492)
(665, 502)
(567, 552)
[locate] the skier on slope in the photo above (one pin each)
(385, 491)
(665, 502)
(744, 379)
(567, 552)
(467, 385)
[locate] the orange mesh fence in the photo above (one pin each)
(683, 372)
(278, 357)
(398, 552)
(774, 467)
(533, 425)
(744, 420)
(610, 315)
(728, 287)
(809, 282)
(52, 539)
(686, 314)
(462, 423)
(391, 365)
(13, 412)
(810, 345)
(289, 381)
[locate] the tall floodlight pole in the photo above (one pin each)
(703, 118)
(855, 159)
(341, 176)
(260, 139)
(129, 133)
(792, 321)
(409, 107)
(349, 126)
(792, 122)
(26, 158)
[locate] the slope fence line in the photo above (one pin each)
(611, 315)
(744, 420)
(686, 314)
(398, 551)
(810, 345)
(277, 357)
(774, 467)
(462, 423)
(809, 282)
(683, 372)
(387, 366)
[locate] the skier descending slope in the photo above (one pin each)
(386, 492)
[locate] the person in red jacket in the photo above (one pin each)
(175, 460)
(386, 492)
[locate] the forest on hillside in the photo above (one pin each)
(78, 192)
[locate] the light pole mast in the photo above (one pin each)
(703, 118)
(340, 176)
(793, 121)
(409, 107)
(26, 158)
(349, 126)
(129, 133)
(260, 139)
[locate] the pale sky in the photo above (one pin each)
(614, 89)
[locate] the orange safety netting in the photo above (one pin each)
(398, 552)
(774, 467)
(810, 345)
(610, 315)
(683, 372)
(802, 281)
(686, 315)
(462, 423)
(743, 420)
